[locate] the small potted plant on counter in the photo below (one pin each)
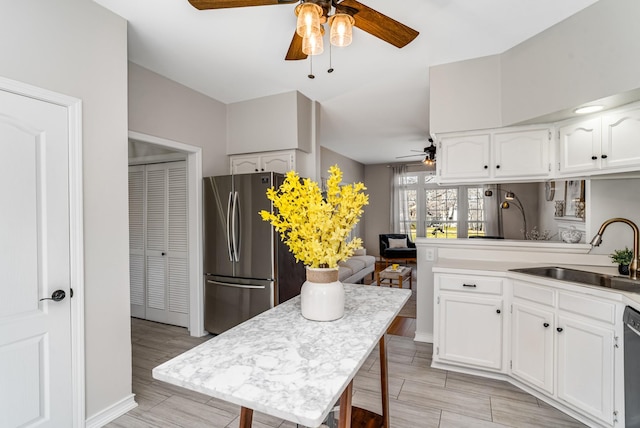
(623, 259)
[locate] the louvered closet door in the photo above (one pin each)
(136, 240)
(164, 270)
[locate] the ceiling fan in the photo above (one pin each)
(363, 17)
(428, 152)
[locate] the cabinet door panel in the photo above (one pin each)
(579, 143)
(281, 162)
(464, 157)
(585, 367)
(521, 154)
(245, 165)
(532, 345)
(620, 139)
(471, 330)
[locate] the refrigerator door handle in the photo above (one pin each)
(235, 232)
(228, 224)
(226, 284)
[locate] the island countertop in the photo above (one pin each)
(284, 365)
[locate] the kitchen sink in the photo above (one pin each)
(583, 277)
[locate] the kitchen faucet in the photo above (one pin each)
(597, 240)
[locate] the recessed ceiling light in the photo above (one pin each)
(588, 109)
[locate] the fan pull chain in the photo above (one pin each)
(311, 75)
(330, 70)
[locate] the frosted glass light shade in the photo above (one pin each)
(308, 19)
(313, 45)
(341, 29)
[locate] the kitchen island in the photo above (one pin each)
(284, 365)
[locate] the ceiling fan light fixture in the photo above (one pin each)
(313, 45)
(341, 29)
(308, 23)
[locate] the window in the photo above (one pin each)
(441, 212)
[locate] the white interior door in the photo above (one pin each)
(159, 246)
(35, 334)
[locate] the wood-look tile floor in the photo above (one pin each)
(419, 395)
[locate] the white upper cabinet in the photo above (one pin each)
(580, 146)
(499, 155)
(463, 157)
(281, 162)
(602, 144)
(522, 153)
(620, 139)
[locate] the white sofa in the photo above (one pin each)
(356, 267)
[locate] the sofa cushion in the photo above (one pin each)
(353, 264)
(344, 272)
(367, 260)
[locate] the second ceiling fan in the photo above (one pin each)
(358, 15)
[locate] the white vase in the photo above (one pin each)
(322, 295)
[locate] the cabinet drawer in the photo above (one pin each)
(533, 293)
(587, 306)
(475, 284)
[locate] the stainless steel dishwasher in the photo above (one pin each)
(631, 320)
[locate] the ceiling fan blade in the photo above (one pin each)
(222, 4)
(379, 25)
(408, 156)
(295, 49)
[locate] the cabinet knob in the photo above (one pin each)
(546, 325)
(164, 254)
(261, 169)
(497, 166)
(604, 156)
(256, 169)
(559, 329)
(594, 157)
(498, 311)
(486, 166)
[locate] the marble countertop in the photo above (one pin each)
(284, 365)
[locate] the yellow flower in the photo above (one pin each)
(316, 228)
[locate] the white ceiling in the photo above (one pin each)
(375, 105)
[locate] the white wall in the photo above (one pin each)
(275, 122)
(77, 48)
(588, 56)
(377, 214)
(163, 108)
(465, 95)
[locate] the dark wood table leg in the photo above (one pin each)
(246, 417)
(344, 420)
(384, 381)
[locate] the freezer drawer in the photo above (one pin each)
(231, 301)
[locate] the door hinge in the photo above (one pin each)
(558, 166)
(438, 300)
(549, 166)
(510, 364)
(615, 416)
(511, 308)
(558, 134)
(549, 135)
(437, 350)
(615, 343)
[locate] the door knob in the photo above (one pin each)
(56, 296)
(546, 325)
(559, 329)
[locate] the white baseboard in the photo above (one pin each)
(112, 412)
(423, 337)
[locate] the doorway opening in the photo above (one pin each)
(148, 149)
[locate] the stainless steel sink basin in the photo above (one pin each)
(583, 277)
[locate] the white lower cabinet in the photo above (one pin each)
(560, 341)
(469, 321)
(570, 335)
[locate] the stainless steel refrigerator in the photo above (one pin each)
(247, 268)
